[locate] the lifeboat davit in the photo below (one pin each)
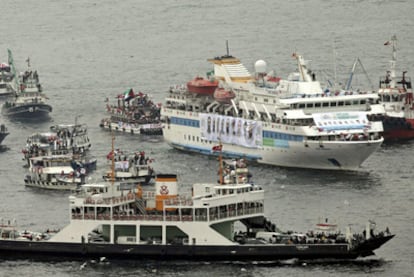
(223, 95)
(202, 86)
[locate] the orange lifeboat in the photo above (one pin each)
(223, 95)
(200, 85)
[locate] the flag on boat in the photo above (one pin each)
(217, 148)
(112, 153)
(129, 94)
(11, 61)
(387, 42)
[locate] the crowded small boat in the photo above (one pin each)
(29, 80)
(130, 167)
(28, 103)
(134, 113)
(58, 172)
(61, 139)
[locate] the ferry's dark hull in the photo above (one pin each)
(29, 111)
(252, 252)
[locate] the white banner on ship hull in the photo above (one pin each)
(232, 130)
(341, 121)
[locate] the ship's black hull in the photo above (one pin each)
(29, 111)
(396, 128)
(260, 252)
(3, 135)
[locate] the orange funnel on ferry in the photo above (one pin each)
(165, 188)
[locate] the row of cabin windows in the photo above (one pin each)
(238, 191)
(185, 122)
(323, 104)
(265, 100)
(196, 138)
(328, 104)
(281, 136)
(266, 134)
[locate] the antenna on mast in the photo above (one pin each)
(227, 48)
(113, 161)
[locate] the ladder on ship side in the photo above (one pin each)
(141, 206)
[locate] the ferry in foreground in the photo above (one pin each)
(214, 221)
(289, 123)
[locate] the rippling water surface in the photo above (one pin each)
(87, 50)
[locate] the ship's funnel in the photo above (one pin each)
(165, 188)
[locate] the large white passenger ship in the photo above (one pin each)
(289, 123)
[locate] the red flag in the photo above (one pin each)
(109, 156)
(387, 42)
(217, 148)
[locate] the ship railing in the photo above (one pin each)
(109, 201)
(200, 218)
(160, 217)
(178, 202)
(235, 213)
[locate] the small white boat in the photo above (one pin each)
(57, 172)
(3, 132)
(7, 86)
(133, 167)
(62, 139)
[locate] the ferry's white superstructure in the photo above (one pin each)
(290, 123)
